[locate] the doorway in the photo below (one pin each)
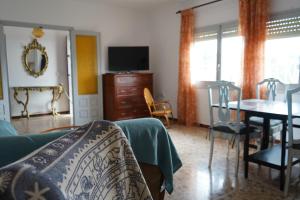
(82, 107)
(33, 97)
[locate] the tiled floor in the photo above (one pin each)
(39, 124)
(194, 181)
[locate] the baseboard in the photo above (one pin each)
(40, 114)
(198, 124)
(204, 125)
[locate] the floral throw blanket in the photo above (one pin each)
(91, 163)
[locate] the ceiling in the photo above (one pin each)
(132, 3)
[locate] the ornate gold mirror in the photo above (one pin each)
(35, 58)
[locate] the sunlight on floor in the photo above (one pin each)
(42, 123)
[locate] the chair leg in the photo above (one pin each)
(167, 120)
(233, 140)
(172, 115)
(228, 148)
(171, 118)
(208, 135)
(288, 174)
(212, 138)
(271, 141)
(237, 154)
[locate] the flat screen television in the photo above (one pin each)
(128, 58)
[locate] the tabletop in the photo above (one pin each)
(266, 106)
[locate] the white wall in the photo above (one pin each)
(165, 26)
(165, 48)
(117, 25)
(56, 73)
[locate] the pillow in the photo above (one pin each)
(7, 129)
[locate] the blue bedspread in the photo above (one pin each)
(94, 162)
(152, 144)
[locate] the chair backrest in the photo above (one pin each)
(226, 92)
(149, 100)
(293, 109)
(271, 88)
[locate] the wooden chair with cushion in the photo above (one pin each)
(271, 90)
(225, 123)
(159, 109)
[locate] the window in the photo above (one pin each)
(218, 51)
(231, 56)
(282, 58)
(217, 54)
(204, 58)
(282, 51)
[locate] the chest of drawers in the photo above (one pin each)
(123, 95)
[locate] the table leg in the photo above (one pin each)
(26, 103)
(56, 93)
(266, 131)
(52, 103)
(246, 145)
(283, 152)
(24, 112)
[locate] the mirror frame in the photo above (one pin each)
(31, 46)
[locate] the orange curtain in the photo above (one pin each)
(253, 19)
(186, 92)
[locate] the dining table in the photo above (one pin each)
(274, 157)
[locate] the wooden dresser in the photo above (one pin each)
(123, 95)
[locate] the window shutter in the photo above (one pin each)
(211, 32)
(231, 31)
(207, 35)
(284, 27)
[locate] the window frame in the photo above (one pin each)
(219, 28)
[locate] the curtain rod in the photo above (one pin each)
(201, 5)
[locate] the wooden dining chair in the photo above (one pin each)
(269, 88)
(159, 109)
(224, 122)
(293, 142)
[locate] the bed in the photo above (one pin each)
(141, 137)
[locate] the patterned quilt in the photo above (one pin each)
(92, 162)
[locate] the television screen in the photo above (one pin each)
(128, 58)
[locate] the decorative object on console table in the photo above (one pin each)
(123, 95)
(56, 93)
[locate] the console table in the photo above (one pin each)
(56, 93)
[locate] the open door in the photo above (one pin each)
(4, 90)
(69, 63)
(87, 101)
